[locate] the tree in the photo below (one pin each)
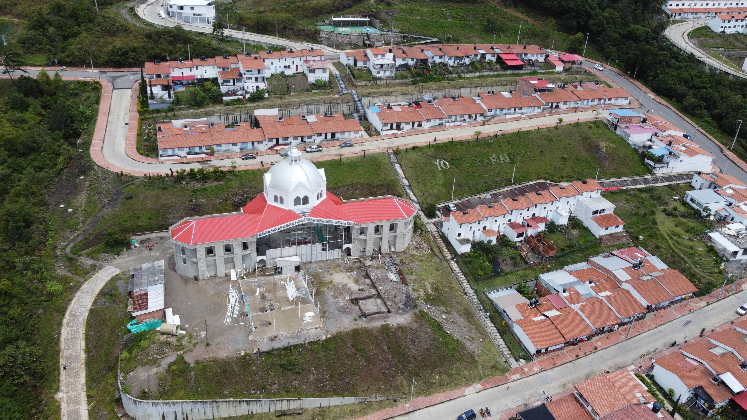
(12, 61)
(45, 83)
(152, 96)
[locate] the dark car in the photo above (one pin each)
(467, 415)
(347, 144)
(249, 156)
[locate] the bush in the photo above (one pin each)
(430, 210)
(113, 238)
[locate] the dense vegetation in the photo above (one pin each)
(628, 33)
(41, 122)
(74, 33)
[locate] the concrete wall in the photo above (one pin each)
(214, 409)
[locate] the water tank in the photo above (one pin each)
(171, 329)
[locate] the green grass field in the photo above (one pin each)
(159, 202)
(564, 153)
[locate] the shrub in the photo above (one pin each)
(430, 210)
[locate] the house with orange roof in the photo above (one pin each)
(381, 62)
(559, 99)
(461, 110)
(184, 138)
(355, 58)
(590, 94)
(182, 72)
(728, 23)
(332, 126)
(505, 103)
(253, 71)
(597, 214)
(588, 188)
(391, 119)
(205, 69)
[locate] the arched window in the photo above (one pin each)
(305, 199)
(276, 199)
(281, 199)
(297, 201)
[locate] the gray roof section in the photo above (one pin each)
(585, 290)
(708, 196)
(577, 267)
(597, 203)
(658, 263)
(146, 275)
(610, 262)
(507, 299)
(559, 280)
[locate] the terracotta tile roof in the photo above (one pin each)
(646, 268)
(728, 362)
(598, 313)
(592, 274)
(588, 185)
(560, 95)
(431, 112)
(472, 216)
(229, 75)
(359, 55)
(741, 322)
(528, 312)
(624, 303)
(693, 374)
(651, 291)
(221, 62)
(489, 232)
(570, 324)
(517, 203)
(573, 297)
(702, 350)
(289, 127)
(460, 106)
(637, 412)
(729, 337)
(690, 150)
(542, 333)
(495, 211)
(378, 51)
(152, 68)
(516, 100)
(601, 395)
(415, 53)
(676, 283)
(251, 62)
(541, 197)
(399, 114)
(601, 92)
(607, 220)
(454, 50)
(335, 124)
(562, 191)
(216, 136)
(208, 61)
(185, 64)
(722, 180)
(568, 408)
(519, 49)
(433, 49)
(157, 82)
(630, 387)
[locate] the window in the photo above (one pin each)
(191, 8)
(362, 231)
(392, 227)
(228, 249)
(245, 246)
(184, 261)
(297, 201)
(281, 200)
(459, 234)
(606, 228)
(305, 200)
(183, 252)
(377, 230)
(209, 251)
(276, 199)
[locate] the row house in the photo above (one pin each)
(294, 131)
(509, 103)
(356, 58)
(289, 61)
(728, 23)
(184, 138)
(381, 62)
(519, 216)
(461, 110)
(699, 9)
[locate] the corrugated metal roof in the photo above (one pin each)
(145, 275)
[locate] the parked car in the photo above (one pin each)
(599, 67)
(742, 309)
(467, 415)
(347, 144)
(249, 156)
(314, 148)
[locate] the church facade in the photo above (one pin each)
(295, 220)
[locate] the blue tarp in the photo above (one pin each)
(624, 113)
(136, 328)
(374, 108)
(661, 151)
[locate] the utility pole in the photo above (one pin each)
(735, 136)
(597, 177)
(585, 43)
(452, 188)
(728, 276)
(189, 52)
(631, 328)
(206, 335)
(243, 38)
(518, 36)
(97, 6)
(737, 279)
(412, 391)
(512, 175)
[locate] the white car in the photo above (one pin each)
(598, 67)
(742, 309)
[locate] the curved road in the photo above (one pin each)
(666, 112)
(148, 11)
(679, 34)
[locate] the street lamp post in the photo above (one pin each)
(736, 135)
(586, 42)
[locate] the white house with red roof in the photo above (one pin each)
(253, 72)
(294, 217)
(728, 23)
(597, 214)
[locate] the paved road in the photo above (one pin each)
(72, 392)
(667, 113)
(679, 34)
(530, 389)
(148, 11)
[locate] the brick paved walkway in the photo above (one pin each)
(72, 392)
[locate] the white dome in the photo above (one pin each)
(295, 177)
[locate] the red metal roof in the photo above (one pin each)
(260, 216)
(188, 77)
(557, 301)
